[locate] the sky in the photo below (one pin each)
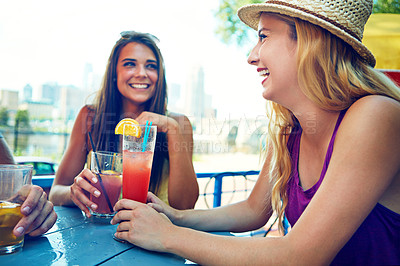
(51, 41)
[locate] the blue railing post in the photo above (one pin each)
(217, 191)
(286, 225)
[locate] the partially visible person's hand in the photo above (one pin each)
(39, 215)
(80, 190)
(141, 225)
(163, 123)
(160, 206)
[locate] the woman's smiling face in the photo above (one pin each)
(275, 56)
(137, 73)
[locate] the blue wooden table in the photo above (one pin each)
(76, 240)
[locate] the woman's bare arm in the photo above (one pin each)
(364, 164)
(6, 156)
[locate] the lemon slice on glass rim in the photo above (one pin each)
(131, 127)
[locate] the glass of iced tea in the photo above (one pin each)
(107, 166)
(12, 180)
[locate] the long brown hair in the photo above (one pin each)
(107, 107)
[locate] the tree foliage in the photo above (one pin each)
(387, 6)
(231, 30)
(4, 116)
(229, 26)
(22, 119)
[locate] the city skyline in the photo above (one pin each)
(46, 42)
(66, 101)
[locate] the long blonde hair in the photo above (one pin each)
(332, 75)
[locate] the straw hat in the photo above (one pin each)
(345, 19)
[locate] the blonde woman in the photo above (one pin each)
(332, 164)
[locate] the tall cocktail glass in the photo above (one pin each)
(107, 166)
(12, 180)
(137, 161)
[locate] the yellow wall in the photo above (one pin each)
(382, 37)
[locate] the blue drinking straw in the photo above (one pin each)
(146, 134)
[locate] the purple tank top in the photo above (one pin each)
(376, 241)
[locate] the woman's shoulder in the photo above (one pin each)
(374, 107)
(374, 114)
(84, 117)
(87, 109)
(85, 112)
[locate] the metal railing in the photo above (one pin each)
(43, 181)
(218, 192)
(218, 177)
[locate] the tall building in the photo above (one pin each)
(38, 110)
(87, 76)
(51, 93)
(27, 93)
(198, 104)
(174, 97)
(9, 100)
(195, 95)
(91, 80)
(71, 101)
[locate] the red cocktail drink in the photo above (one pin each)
(138, 150)
(136, 174)
(107, 166)
(112, 182)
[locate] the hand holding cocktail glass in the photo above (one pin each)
(12, 180)
(95, 192)
(24, 209)
(38, 213)
(144, 225)
(81, 190)
(107, 166)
